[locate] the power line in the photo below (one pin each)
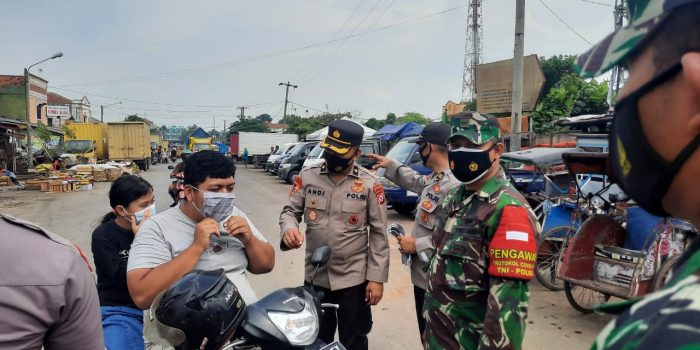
(598, 3)
(564, 22)
(222, 107)
(311, 63)
(139, 101)
(307, 107)
(342, 54)
(320, 67)
(259, 57)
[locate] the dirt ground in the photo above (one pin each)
(552, 322)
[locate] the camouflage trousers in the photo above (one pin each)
(454, 326)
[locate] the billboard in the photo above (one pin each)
(58, 111)
(494, 85)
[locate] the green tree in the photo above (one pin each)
(390, 118)
(68, 131)
(134, 118)
(303, 126)
(554, 68)
(249, 125)
(375, 123)
(444, 118)
(264, 117)
(42, 132)
(571, 96)
(413, 117)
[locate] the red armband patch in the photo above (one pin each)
(513, 249)
(379, 192)
(296, 186)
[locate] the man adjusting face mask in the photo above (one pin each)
(471, 164)
(216, 205)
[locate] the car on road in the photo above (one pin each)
(291, 166)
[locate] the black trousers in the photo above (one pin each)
(353, 320)
(419, 297)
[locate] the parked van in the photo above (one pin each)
(406, 153)
(280, 151)
(367, 146)
(291, 166)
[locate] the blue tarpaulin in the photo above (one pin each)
(200, 134)
(223, 149)
(390, 132)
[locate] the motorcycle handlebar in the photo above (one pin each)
(330, 306)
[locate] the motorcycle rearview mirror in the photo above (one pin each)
(171, 167)
(320, 256)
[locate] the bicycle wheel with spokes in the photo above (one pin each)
(550, 247)
(582, 298)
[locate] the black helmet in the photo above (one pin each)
(200, 311)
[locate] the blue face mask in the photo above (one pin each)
(139, 215)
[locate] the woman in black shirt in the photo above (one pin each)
(132, 202)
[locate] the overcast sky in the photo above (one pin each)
(185, 62)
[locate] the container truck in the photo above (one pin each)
(258, 145)
(129, 141)
(200, 144)
(89, 141)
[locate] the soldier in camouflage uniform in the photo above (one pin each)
(420, 246)
(477, 295)
(653, 143)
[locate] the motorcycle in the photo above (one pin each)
(288, 318)
(176, 188)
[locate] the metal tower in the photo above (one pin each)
(472, 50)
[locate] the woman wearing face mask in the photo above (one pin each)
(132, 202)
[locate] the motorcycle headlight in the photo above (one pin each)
(299, 328)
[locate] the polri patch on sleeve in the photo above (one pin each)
(378, 190)
(513, 248)
(297, 186)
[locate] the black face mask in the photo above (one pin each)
(469, 165)
(335, 163)
(425, 158)
(639, 170)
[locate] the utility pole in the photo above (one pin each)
(286, 95)
(224, 127)
(102, 110)
(27, 82)
(517, 106)
(614, 84)
(242, 108)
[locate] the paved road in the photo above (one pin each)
(552, 323)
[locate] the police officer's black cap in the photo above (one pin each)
(342, 136)
(436, 133)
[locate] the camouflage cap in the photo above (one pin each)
(477, 128)
(644, 17)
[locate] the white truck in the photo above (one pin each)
(258, 144)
